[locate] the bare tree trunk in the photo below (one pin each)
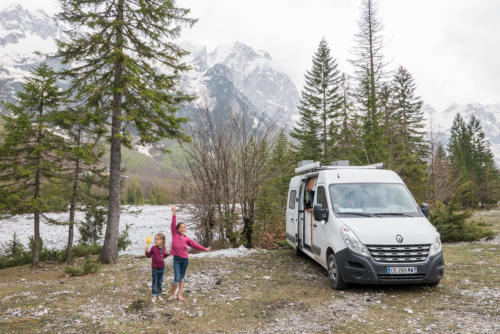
(36, 236)
(72, 207)
(109, 252)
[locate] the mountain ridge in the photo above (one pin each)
(233, 74)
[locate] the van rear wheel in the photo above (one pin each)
(334, 274)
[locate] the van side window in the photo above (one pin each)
(291, 199)
(322, 197)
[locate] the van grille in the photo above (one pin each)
(399, 253)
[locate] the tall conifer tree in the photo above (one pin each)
(29, 151)
(370, 73)
(406, 135)
(122, 51)
(320, 105)
(343, 145)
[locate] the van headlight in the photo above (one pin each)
(352, 241)
(436, 246)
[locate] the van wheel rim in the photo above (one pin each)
(332, 269)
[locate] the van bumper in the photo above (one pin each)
(360, 269)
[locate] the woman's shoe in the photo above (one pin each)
(171, 298)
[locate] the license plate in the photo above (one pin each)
(401, 270)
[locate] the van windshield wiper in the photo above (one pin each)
(392, 214)
(355, 213)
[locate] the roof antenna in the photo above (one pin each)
(338, 174)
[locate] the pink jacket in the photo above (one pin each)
(180, 242)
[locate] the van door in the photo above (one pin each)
(292, 216)
(300, 220)
(305, 215)
(320, 227)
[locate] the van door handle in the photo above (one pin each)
(315, 225)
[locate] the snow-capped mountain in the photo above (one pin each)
(253, 76)
(233, 76)
(488, 114)
(23, 34)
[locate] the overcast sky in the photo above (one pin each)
(452, 48)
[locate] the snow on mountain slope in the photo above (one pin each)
(25, 38)
(253, 73)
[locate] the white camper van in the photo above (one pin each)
(362, 224)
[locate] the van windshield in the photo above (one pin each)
(372, 199)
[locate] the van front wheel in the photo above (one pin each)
(334, 274)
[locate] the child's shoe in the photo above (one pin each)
(153, 299)
(159, 298)
(180, 298)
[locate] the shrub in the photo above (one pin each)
(84, 250)
(123, 239)
(13, 253)
(7, 262)
(88, 267)
(456, 226)
(91, 228)
(13, 248)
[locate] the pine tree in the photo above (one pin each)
(343, 142)
(459, 147)
(91, 227)
(82, 132)
(481, 160)
(407, 136)
(271, 202)
(29, 151)
(116, 49)
(472, 162)
(369, 74)
(306, 133)
(320, 105)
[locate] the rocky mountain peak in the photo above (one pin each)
(17, 23)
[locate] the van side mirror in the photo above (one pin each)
(319, 213)
(424, 207)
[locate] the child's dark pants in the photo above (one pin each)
(157, 280)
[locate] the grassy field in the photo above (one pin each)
(265, 292)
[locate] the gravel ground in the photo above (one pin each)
(252, 291)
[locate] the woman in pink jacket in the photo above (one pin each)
(179, 250)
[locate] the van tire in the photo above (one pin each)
(433, 284)
(334, 273)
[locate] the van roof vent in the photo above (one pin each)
(302, 163)
(340, 163)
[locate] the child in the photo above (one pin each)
(158, 254)
(179, 250)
